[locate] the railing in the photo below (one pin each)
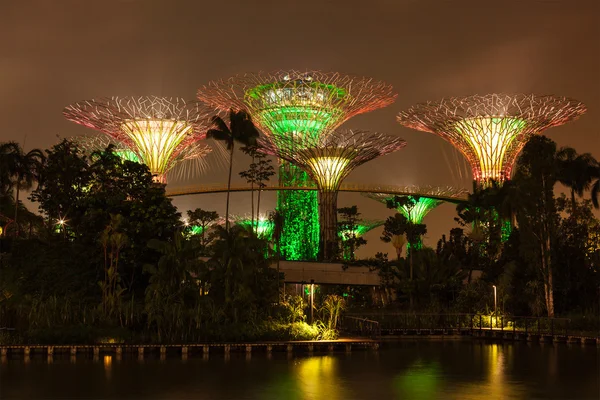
(391, 323)
(361, 327)
(526, 325)
(344, 187)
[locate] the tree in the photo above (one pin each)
(203, 219)
(112, 241)
(347, 228)
(258, 174)
(264, 172)
(401, 225)
(64, 185)
(277, 220)
(537, 216)
(250, 176)
(85, 192)
(172, 290)
(576, 171)
(23, 170)
(241, 129)
(242, 280)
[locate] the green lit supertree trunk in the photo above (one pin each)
(299, 208)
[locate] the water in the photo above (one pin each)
(408, 370)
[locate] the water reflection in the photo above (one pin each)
(318, 378)
(495, 386)
(419, 381)
(107, 367)
(460, 370)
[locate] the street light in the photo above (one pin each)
(495, 301)
(62, 222)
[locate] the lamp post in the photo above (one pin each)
(61, 222)
(495, 301)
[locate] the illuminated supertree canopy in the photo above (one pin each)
(299, 104)
(160, 131)
(292, 102)
(491, 130)
(328, 160)
(425, 199)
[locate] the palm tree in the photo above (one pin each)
(241, 129)
(7, 162)
(595, 189)
(575, 171)
(23, 168)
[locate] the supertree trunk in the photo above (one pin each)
(328, 245)
(300, 235)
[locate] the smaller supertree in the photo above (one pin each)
(328, 159)
(351, 235)
(421, 200)
(262, 225)
(160, 131)
(364, 226)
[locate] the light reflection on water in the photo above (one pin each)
(409, 370)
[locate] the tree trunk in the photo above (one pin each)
(278, 273)
(229, 187)
(550, 291)
(257, 210)
(17, 190)
(328, 223)
(252, 202)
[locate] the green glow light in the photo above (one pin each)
(298, 107)
(195, 230)
(297, 120)
(300, 211)
(360, 230)
(420, 210)
(302, 108)
(127, 155)
(419, 381)
(264, 227)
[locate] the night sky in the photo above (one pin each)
(55, 52)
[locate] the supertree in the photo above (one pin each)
(160, 131)
(303, 105)
(416, 206)
(423, 200)
(351, 236)
(328, 159)
(491, 130)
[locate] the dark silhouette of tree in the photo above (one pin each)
(277, 220)
(261, 170)
(241, 129)
(347, 228)
(537, 216)
(202, 218)
(23, 171)
(400, 225)
(575, 171)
